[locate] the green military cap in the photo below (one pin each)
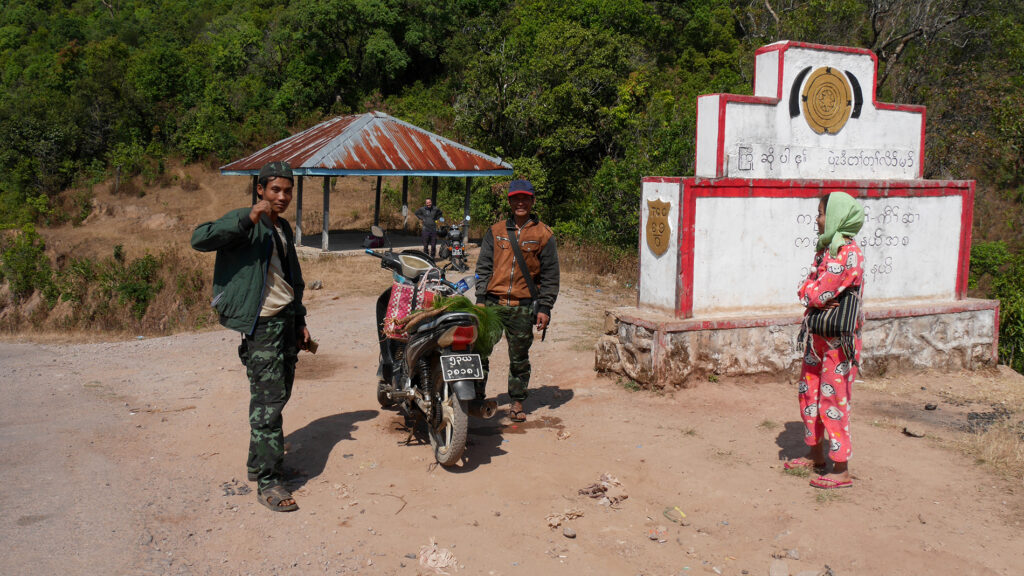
(278, 169)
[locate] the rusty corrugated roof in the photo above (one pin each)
(371, 144)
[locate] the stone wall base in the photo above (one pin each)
(657, 350)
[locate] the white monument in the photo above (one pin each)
(722, 253)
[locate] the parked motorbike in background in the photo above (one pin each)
(427, 367)
(452, 247)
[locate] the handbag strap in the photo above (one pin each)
(514, 236)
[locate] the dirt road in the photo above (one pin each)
(128, 458)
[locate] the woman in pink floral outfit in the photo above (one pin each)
(830, 364)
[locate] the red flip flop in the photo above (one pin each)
(797, 463)
(830, 484)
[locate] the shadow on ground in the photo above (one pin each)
(791, 441)
(312, 444)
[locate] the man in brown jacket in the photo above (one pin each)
(502, 285)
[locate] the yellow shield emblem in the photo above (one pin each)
(658, 229)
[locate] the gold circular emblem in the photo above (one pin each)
(826, 101)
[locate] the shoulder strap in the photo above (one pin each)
(514, 240)
(281, 255)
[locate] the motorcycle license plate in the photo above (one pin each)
(461, 367)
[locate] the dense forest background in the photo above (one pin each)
(583, 97)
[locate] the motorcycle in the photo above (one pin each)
(427, 368)
(453, 248)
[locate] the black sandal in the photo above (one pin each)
(274, 496)
(516, 412)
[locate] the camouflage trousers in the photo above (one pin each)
(269, 354)
(518, 329)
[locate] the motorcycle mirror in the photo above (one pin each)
(377, 231)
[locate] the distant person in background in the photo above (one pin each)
(257, 290)
(429, 216)
(830, 364)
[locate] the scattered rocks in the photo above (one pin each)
(658, 533)
(982, 421)
(793, 554)
(235, 488)
(555, 520)
(930, 406)
(912, 432)
(316, 285)
(435, 558)
(608, 489)
(568, 532)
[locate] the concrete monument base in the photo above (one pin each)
(657, 350)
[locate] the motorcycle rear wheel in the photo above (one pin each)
(448, 433)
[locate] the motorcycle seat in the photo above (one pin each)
(451, 317)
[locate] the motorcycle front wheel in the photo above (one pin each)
(449, 426)
(383, 399)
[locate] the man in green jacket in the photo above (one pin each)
(257, 290)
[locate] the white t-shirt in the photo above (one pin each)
(278, 292)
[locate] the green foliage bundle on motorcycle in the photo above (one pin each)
(488, 320)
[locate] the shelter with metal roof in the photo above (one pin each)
(370, 144)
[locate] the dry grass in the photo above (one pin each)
(1000, 447)
(599, 261)
(798, 472)
(351, 274)
(827, 496)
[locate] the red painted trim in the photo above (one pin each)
(758, 188)
(778, 88)
(783, 46)
(966, 223)
(661, 324)
(688, 209)
(696, 133)
(720, 145)
(949, 307)
(680, 215)
(920, 161)
(661, 179)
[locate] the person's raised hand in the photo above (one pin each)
(261, 207)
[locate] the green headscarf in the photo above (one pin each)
(844, 217)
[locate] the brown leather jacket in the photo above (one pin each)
(501, 280)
